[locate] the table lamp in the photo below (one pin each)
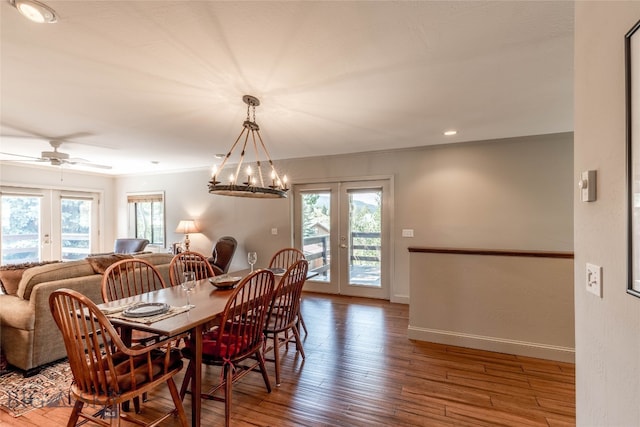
(185, 227)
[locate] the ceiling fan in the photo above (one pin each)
(57, 158)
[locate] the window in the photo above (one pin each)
(146, 217)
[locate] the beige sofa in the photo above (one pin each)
(29, 337)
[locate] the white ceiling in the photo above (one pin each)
(128, 83)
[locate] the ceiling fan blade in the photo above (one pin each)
(84, 162)
(25, 157)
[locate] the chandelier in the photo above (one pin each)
(247, 178)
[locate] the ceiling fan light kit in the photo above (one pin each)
(55, 154)
(250, 181)
(35, 11)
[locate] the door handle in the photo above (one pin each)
(343, 246)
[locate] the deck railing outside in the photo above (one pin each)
(19, 248)
(365, 251)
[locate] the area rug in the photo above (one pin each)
(49, 387)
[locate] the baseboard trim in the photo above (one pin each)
(399, 299)
(500, 345)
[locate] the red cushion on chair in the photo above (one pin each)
(229, 344)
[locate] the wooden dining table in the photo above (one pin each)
(209, 302)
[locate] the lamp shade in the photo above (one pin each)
(187, 226)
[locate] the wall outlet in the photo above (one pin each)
(407, 232)
(594, 279)
(274, 231)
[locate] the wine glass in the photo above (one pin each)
(188, 283)
(252, 258)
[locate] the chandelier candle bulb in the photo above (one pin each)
(249, 180)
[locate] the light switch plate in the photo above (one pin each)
(587, 186)
(407, 232)
(274, 231)
(594, 279)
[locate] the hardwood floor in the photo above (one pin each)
(361, 370)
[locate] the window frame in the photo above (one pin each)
(133, 199)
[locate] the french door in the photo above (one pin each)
(343, 229)
(43, 225)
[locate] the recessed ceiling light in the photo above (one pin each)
(35, 11)
(450, 132)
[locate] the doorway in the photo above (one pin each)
(42, 225)
(343, 229)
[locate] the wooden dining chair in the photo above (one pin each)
(285, 258)
(129, 277)
(283, 313)
(238, 338)
(189, 261)
(106, 372)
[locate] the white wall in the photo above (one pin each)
(607, 329)
(67, 179)
(505, 194)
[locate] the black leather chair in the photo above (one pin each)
(129, 246)
(222, 254)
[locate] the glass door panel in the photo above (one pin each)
(316, 232)
(365, 237)
(21, 229)
(75, 227)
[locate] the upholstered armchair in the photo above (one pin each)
(129, 246)
(222, 254)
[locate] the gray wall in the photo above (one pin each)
(509, 304)
(504, 194)
(607, 328)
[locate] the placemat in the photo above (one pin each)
(150, 319)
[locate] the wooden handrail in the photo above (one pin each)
(494, 252)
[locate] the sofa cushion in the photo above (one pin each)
(100, 263)
(155, 258)
(9, 280)
(47, 273)
(10, 275)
